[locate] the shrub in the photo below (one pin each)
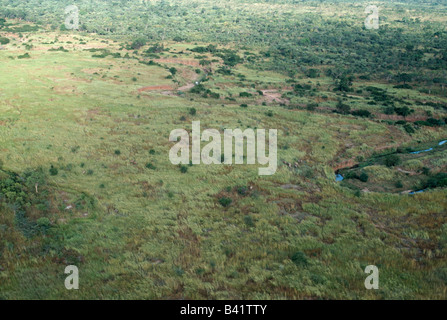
(244, 105)
(53, 171)
(343, 108)
(409, 128)
(248, 220)
(225, 202)
(214, 95)
(437, 181)
(312, 106)
(435, 122)
(149, 165)
(392, 160)
(197, 89)
(299, 258)
(361, 113)
(173, 71)
(363, 177)
(192, 111)
(389, 110)
(243, 190)
(404, 111)
(117, 152)
(183, 169)
(4, 40)
(24, 56)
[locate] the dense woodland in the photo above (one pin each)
(334, 43)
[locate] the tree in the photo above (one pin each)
(344, 83)
(404, 77)
(138, 43)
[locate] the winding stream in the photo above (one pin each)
(339, 177)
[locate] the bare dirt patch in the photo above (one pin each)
(273, 96)
(156, 88)
(193, 63)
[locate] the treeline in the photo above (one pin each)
(294, 42)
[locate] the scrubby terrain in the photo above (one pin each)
(85, 176)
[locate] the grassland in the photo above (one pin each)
(139, 231)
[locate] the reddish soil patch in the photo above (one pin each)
(345, 164)
(155, 88)
(395, 117)
(273, 95)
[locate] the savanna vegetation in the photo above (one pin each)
(85, 178)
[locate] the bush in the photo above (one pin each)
(183, 169)
(225, 202)
(53, 171)
(24, 56)
(214, 95)
(312, 106)
(437, 181)
(361, 113)
(4, 40)
(248, 220)
(244, 105)
(43, 222)
(389, 110)
(343, 108)
(173, 71)
(435, 122)
(404, 111)
(299, 258)
(409, 128)
(363, 177)
(117, 152)
(392, 160)
(149, 165)
(243, 190)
(192, 111)
(197, 89)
